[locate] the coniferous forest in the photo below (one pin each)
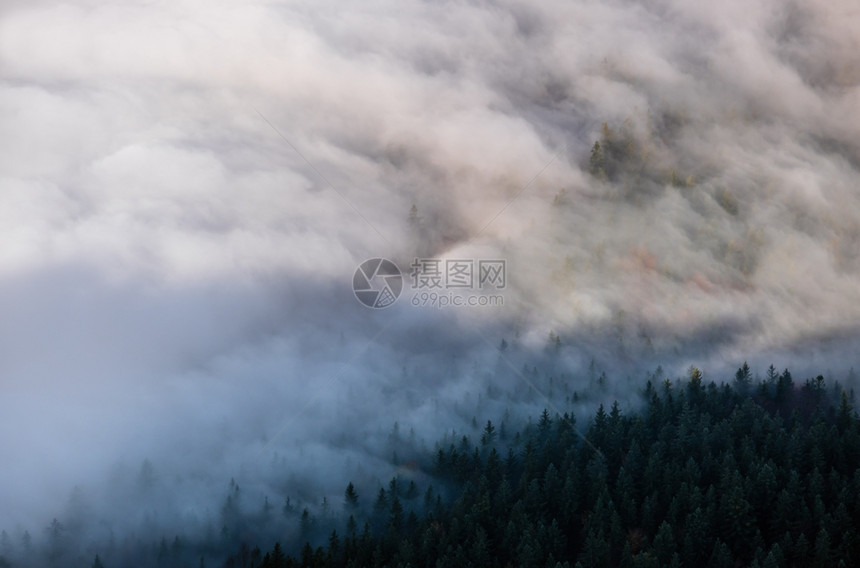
(742, 474)
(417, 284)
(748, 472)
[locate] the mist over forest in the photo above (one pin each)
(187, 189)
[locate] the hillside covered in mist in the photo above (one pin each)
(762, 473)
(189, 189)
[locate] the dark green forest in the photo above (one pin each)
(741, 473)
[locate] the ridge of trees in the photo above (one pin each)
(758, 474)
(755, 472)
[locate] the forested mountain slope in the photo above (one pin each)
(748, 473)
(706, 475)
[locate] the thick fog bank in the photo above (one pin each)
(187, 188)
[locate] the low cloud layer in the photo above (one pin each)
(186, 189)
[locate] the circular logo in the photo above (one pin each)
(377, 283)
